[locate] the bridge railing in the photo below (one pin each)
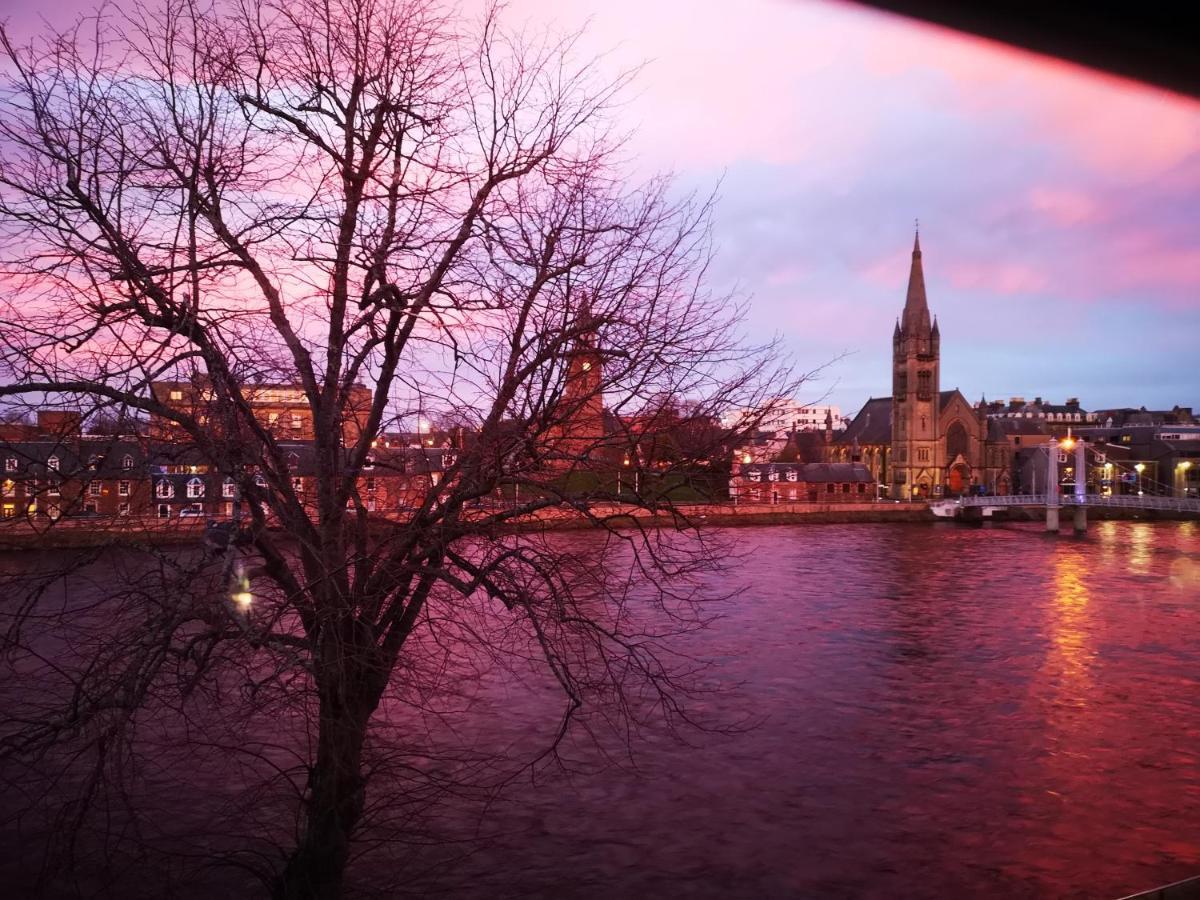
(1180, 504)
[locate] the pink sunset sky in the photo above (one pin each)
(1059, 208)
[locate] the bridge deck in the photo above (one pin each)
(1178, 504)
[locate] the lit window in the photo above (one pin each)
(195, 487)
(9, 510)
(8, 487)
(123, 488)
(297, 421)
(176, 395)
(272, 418)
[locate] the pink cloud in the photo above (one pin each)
(1004, 278)
(1064, 206)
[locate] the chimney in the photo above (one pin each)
(59, 422)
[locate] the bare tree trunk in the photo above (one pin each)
(336, 793)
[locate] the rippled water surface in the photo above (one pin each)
(939, 711)
(944, 712)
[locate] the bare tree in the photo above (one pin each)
(388, 208)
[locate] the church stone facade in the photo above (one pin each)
(923, 442)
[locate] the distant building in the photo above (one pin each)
(922, 441)
(801, 482)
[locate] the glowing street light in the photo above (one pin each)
(1140, 468)
(241, 595)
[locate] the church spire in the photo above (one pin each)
(916, 307)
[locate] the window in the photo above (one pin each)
(9, 487)
(791, 475)
(164, 511)
(370, 485)
(127, 462)
(293, 461)
(52, 464)
(272, 418)
(448, 459)
(924, 384)
(754, 475)
(862, 488)
(846, 488)
(228, 489)
(297, 421)
(54, 512)
(772, 475)
(89, 506)
(10, 510)
(53, 487)
(123, 488)
(195, 487)
(164, 489)
(829, 488)
(297, 484)
(176, 395)
(93, 462)
(94, 489)
(123, 509)
(10, 464)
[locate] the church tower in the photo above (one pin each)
(578, 426)
(916, 354)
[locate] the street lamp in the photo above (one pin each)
(1182, 469)
(1140, 467)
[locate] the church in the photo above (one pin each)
(923, 442)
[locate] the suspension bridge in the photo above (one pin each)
(1077, 501)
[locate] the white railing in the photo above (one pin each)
(1181, 504)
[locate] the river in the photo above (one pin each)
(930, 711)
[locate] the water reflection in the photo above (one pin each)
(1140, 536)
(945, 712)
(1069, 624)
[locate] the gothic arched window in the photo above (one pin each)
(956, 442)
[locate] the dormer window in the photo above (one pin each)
(791, 475)
(10, 464)
(53, 464)
(127, 462)
(164, 489)
(195, 487)
(754, 475)
(773, 475)
(293, 461)
(228, 488)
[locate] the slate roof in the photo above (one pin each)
(872, 425)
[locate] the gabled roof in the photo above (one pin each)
(872, 425)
